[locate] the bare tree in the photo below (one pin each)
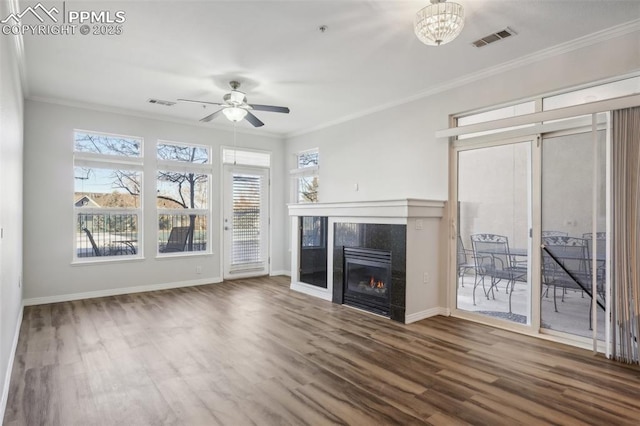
(308, 189)
(186, 183)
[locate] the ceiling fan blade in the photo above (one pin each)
(270, 108)
(199, 102)
(253, 120)
(211, 116)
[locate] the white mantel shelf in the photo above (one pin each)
(405, 208)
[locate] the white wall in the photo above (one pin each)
(393, 153)
(48, 206)
(11, 138)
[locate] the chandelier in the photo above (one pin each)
(439, 23)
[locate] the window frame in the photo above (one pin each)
(299, 173)
(178, 166)
(109, 162)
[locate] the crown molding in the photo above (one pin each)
(560, 49)
(150, 116)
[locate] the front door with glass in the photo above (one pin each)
(245, 221)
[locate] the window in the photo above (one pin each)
(496, 114)
(107, 191)
(183, 194)
(246, 158)
(306, 176)
(599, 92)
(567, 98)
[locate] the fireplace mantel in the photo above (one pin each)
(405, 208)
(424, 256)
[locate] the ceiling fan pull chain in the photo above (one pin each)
(235, 144)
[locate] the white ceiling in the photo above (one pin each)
(368, 57)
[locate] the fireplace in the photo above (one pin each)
(367, 279)
(408, 229)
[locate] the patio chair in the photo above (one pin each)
(177, 239)
(494, 260)
(463, 264)
(599, 235)
(96, 249)
(571, 254)
(554, 234)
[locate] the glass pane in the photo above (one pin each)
(246, 158)
(106, 234)
(313, 234)
(246, 219)
(313, 250)
(107, 144)
(182, 233)
(601, 92)
(185, 190)
(567, 188)
(497, 114)
(183, 153)
(493, 241)
(308, 159)
(308, 189)
(96, 187)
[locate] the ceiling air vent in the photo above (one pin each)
(161, 102)
(507, 32)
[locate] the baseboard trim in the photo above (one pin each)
(282, 272)
(408, 319)
(118, 291)
(312, 291)
(12, 356)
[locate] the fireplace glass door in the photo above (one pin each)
(313, 250)
(367, 279)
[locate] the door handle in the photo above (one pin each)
(226, 228)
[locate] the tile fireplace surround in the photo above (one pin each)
(417, 227)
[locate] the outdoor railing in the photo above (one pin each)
(106, 234)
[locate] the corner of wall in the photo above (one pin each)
(12, 90)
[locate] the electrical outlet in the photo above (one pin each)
(419, 224)
(19, 282)
(426, 278)
(198, 269)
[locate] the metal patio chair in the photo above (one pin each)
(177, 239)
(495, 262)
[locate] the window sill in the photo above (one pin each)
(182, 255)
(120, 259)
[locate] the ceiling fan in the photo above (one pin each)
(236, 108)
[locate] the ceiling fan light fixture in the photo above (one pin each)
(439, 23)
(234, 114)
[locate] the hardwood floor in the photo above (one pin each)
(254, 352)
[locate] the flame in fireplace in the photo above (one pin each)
(373, 283)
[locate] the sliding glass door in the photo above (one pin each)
(573, 232)
(493, 273)
(531, 231)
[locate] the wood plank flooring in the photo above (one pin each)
(253, 352)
